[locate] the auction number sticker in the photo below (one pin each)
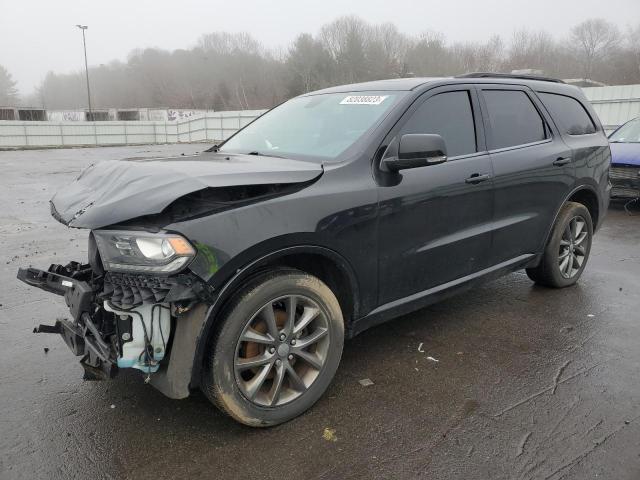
(363, 100)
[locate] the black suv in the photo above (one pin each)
(240, 270)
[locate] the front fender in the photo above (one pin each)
(241, 276)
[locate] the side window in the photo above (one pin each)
(514, 119)
(571, 116)
(447, 114)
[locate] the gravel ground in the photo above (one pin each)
(507, 381)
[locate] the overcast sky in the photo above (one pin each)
(37, 36)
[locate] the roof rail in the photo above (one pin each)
(509, 75)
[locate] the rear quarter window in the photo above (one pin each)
(569, 114)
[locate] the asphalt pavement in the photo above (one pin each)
(507, 381)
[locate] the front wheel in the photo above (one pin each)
(567, 251)
(276, 349)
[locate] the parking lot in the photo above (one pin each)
(507, 381)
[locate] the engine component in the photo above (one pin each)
(144, 344)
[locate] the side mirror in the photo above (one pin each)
(417, 150)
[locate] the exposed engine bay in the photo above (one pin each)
(119, 320)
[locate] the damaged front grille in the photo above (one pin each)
(624, 173)
(131, 290)
(625, 181)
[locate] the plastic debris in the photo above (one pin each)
(365, 382)
(113, 406)
(329, 434)
(433, 359)
(590, 315)
(522, 444)
(420, 347)
(46, 349)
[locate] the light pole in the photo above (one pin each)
(86, 68)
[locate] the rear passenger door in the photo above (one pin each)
(589, 145)
(532, 166)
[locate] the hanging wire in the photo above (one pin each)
(628, 204)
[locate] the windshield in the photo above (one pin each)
(317, 126)
(628, 133)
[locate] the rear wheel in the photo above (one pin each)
(567, 251)
(276, 349)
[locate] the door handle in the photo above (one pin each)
(477, 178)
(562, 161)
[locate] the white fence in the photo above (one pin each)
(614, 105)
(211, 127)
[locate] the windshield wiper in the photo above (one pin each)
(260, 154)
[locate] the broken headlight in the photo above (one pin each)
(141, 252)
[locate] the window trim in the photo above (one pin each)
(520, 146)
(581, 135)
(476, 113)
(550, 133)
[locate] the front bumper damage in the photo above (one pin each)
(625, 181)
(118, 320)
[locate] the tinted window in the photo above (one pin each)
(449, 115)
(514, 119)
(570, 115)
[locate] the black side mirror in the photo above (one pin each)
(417, 150)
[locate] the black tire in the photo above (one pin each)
(550, 272)
(227, 387)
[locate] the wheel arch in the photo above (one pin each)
(586, 195)
(589, 198)
(324, 263)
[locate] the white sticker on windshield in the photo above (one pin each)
(363, 100)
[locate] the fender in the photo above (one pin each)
(241, 276)
(583, 186)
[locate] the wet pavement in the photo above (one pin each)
(507, 381)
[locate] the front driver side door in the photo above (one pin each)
(435, 221)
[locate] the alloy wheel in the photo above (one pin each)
(281, 350)
(573, 247)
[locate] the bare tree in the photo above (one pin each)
(633, 44)
(228, 71)
(346, 40)
(224, 43)
(385, 51)
(536, 50)
(592, 40)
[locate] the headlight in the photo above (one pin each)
(123, 251)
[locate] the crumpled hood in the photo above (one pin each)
(625, 153)
(110, 192)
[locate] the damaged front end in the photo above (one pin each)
(124, 317)
(139, 297)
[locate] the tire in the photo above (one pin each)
(261, 381)
(566, 254)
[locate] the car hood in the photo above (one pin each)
(625, 153)
(111, 192)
